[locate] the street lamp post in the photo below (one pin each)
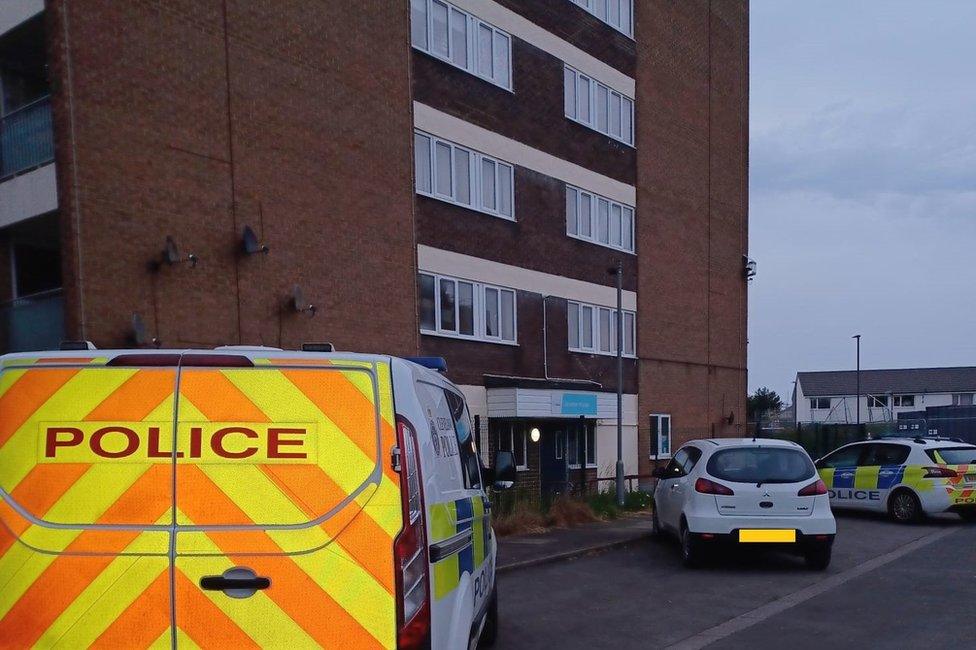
(857, 337)
(619, 272)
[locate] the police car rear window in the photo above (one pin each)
(760, 465)
(953, 455)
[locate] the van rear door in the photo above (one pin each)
(287, 504)
(86, 482)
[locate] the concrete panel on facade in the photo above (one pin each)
(28, 195)
(14, 12)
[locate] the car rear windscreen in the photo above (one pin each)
(953, 455)
(760, 465)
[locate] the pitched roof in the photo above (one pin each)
(879, 382)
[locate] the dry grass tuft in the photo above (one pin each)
(566, 511)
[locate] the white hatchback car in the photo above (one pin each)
(744, 491)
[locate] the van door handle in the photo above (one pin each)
(239, 582)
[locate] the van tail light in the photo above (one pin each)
(816, 488)
(410, 548)
(940, 472)
(705, 486)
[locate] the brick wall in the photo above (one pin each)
(192, 119)
(692, 144)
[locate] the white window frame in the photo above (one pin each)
(475, 161)
(898, 401)
(591, 121)
(958, 399)
(590, 462)
(660, 417)
(873, 399)
(579, 196)
(595, 325)
(626, 30)
(819, 400)
(473, 29)
(480, 326)
(511, 445)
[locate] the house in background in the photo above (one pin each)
(832, 396)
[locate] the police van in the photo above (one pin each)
(906, 478)
(241, 497)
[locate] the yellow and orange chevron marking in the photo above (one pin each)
(290, 488)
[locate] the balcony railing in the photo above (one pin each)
(34, 322)
(26, 138)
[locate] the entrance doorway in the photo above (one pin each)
(553, 475)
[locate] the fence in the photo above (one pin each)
(26, 138)
(32, 323)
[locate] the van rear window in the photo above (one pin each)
(760, 465)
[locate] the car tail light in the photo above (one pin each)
(939, 472)
(410, 548)
(812, 490)
(705, 486)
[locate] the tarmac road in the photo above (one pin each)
(889, 585)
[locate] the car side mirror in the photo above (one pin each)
(503, 470)
(660, 472)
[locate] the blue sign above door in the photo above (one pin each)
(578, 404)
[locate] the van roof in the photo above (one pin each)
(95, 357)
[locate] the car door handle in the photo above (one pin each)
(674, 486)
(239, 582)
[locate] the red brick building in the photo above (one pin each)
(436, 178)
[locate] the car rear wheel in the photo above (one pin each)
(904, 507)
(818, 558)
(690, 549)
(490, 631)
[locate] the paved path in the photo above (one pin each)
(889, 585)
(524, 550)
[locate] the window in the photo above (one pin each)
(761, 465)
(586, 450)
(614, 222)
(453, 173)
(885, 454)
(560, 445)
(676, 468)
(593, 329)
(455, 307)
(904, 400)
(844, 457)
(599, 107)
(877, 401)
(962, 399)
(442, 30)
(511, 437)
(819, 403)
(616, 13)
(660, 436)
(467, 449)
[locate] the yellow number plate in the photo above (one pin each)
(769, 535)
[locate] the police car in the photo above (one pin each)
(744, 491)
(906, 478)
(241, 497)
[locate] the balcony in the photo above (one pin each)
(26, 138)
(33, 322)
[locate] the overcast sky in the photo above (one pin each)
(863, 186)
